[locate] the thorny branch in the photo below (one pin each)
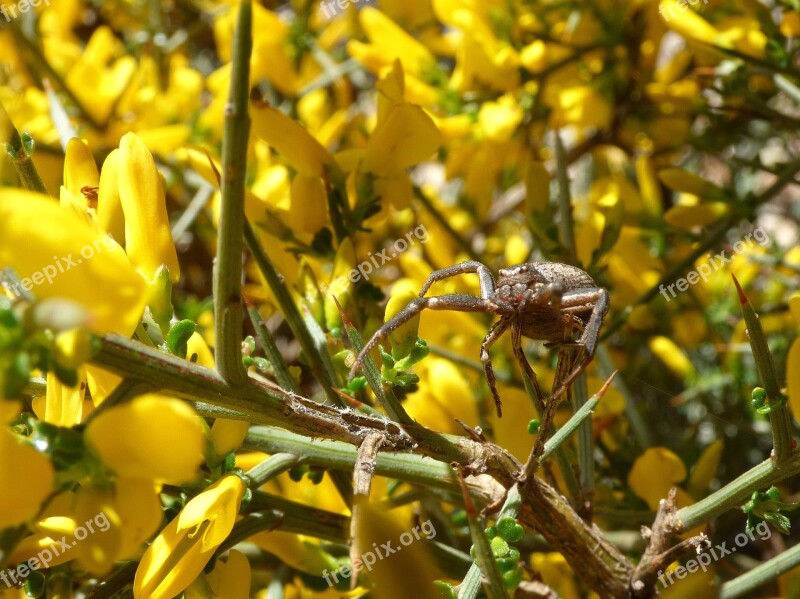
(544, 510)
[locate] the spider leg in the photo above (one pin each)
(457, 302)
(598, 300)
(516, 345)
(470, 266)
(493, 335)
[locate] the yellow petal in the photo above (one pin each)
(100, 549)
(64, 405)
(390, 575)
(685, 21)
(499, 121)
(33, 477)
(296, 145)
(392, 42)
(57, 254)
(407, 136)
(80, 169)
(682, 180)
(231, 579)
(228, 435)
(139, 507)
(341, 284)
(793, 378)
(109, 209)
(198, 346)
(218, 504)
(148, 241)
(654, 473)
(128, 442)
(672, 356)
(296, 551)
(687, 216)
(72, 348)
(173, 560)
(705, 470)
(309, 207)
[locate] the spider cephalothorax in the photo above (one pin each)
(547, 301)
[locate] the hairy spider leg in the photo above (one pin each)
(493, 335)
(470, 266)
(519, 354)
(572, 301)
(457, 302)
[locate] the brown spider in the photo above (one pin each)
(547, 301)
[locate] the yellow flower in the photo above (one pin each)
(126, 440)
(269, 59)
(499, 120)
(229, 579)
(32, 473)
(98, 78)
(148, 241)
(404, 136)
(183, 548)
(58, 254)
(580, 105)
(296, 145)
(388, 43)
(654, 473)
(672, 356)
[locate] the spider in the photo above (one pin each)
(546, 301)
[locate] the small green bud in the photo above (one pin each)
(446, 590)
(512, 578)
(510, 530)
(499, 547)
(533, 426)
(178, 337)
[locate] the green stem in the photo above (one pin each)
(20, 153)
(228, 303)
(471, 585)
(737, 492)
(315, 425)
(564, 200)
(271, 467)
(387, 399)
(761, 574)
(585, 437)
(582, 415)
(301, 519)
(484, 557)
(336, 455)
(317, 355)
(779, 415)
(274, 356)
